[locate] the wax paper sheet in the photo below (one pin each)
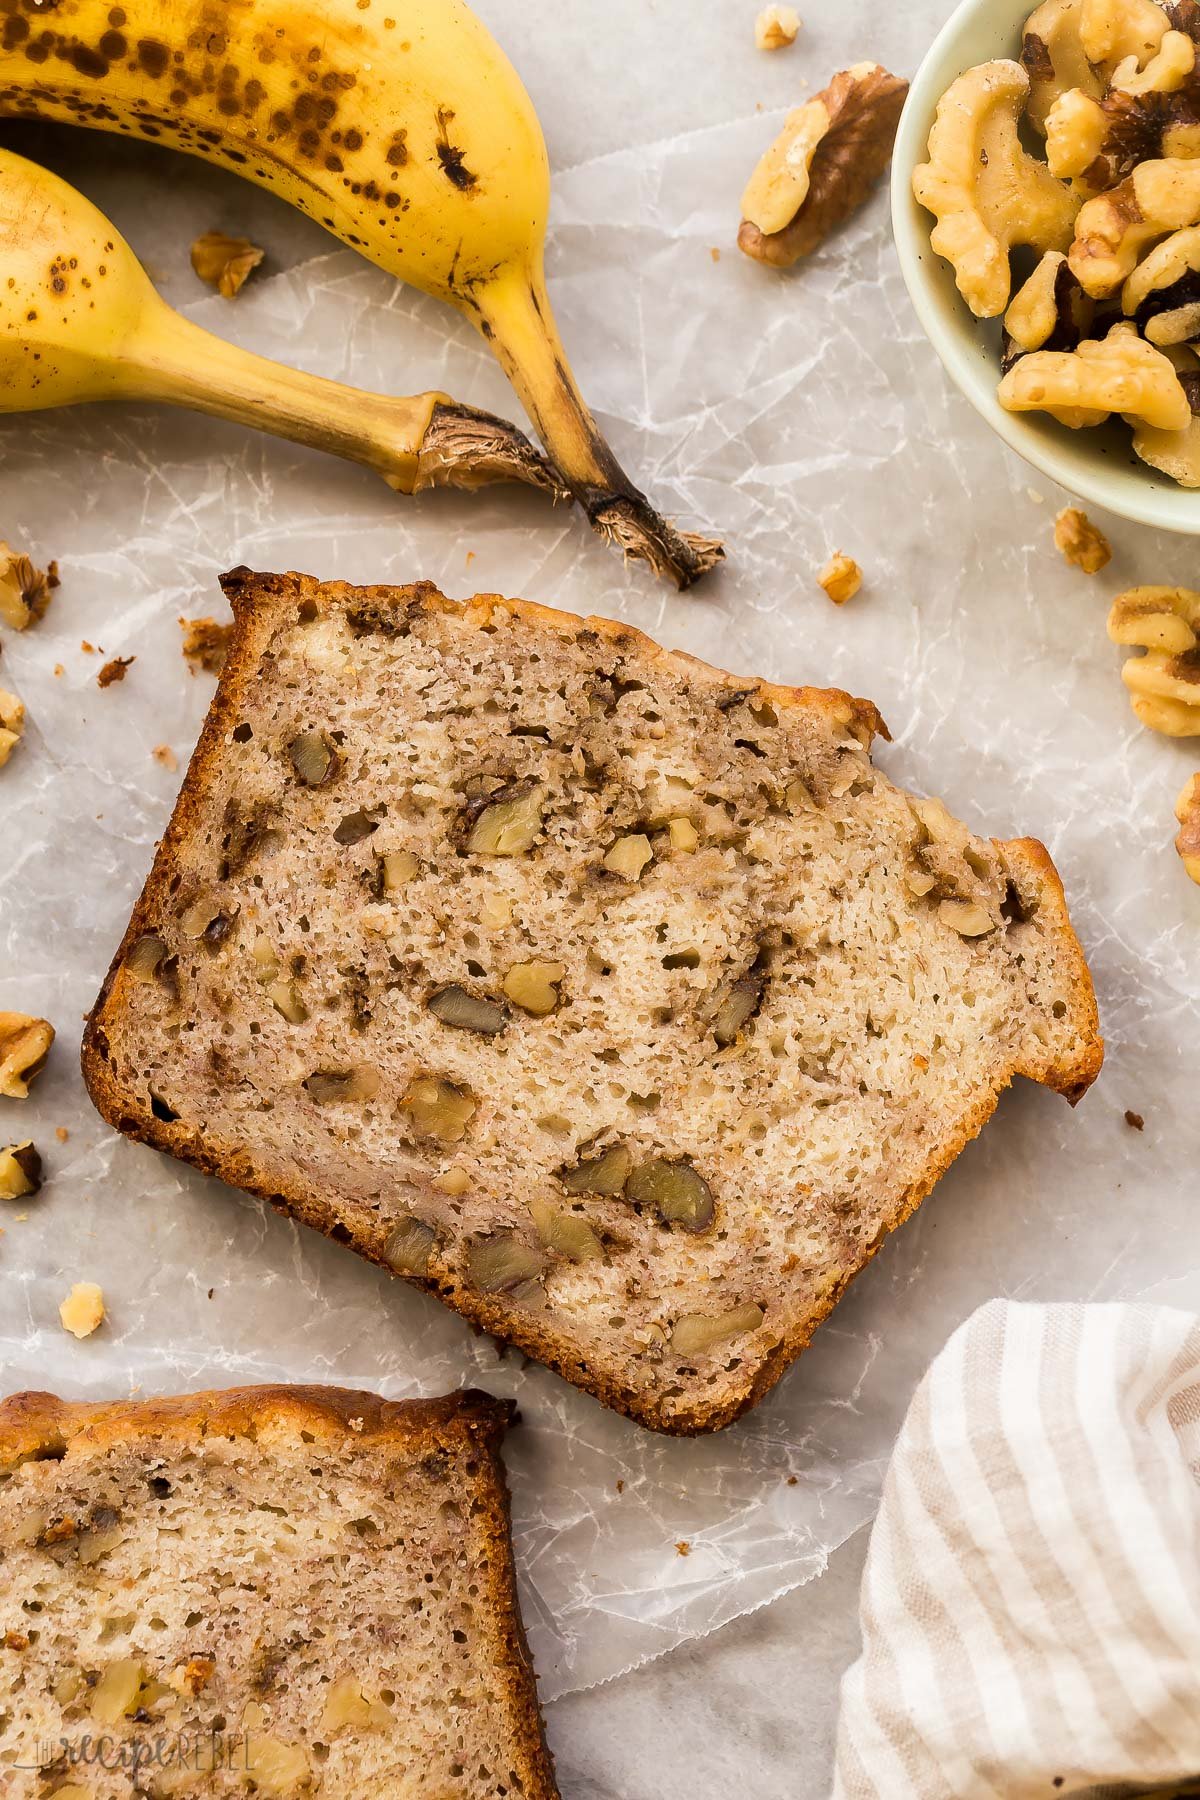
(795, 414)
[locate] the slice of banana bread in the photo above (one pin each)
(623, 1004)
(306, 1589)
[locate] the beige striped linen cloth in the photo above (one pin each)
(1031, 1598)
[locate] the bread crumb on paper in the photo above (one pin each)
(116, 670)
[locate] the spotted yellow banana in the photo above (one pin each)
(399, 125)
(80, 321)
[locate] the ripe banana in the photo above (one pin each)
(79, 320)
(397, 124)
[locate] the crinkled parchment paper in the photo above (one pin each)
(796, 414)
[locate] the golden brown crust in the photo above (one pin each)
(1071, 1077)
(243, 588)
(235, 1165)
(40, 1425)
(35, 1424)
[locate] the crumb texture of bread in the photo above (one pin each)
(623, 1004)
(281, 1592)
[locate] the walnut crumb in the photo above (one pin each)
(841, 578)
(114, 670)
(24, 590)
(1187, 811)
(163, 753)
(776, 27)
(1135, 1121)
(24, 1046)
(1080, 541)
(82, 1312)
(206, 644)
(620, 1487)
(225, 262)
(683, 1548)
(61, 1133)
(12, 724)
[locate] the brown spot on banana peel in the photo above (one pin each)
(451, 157)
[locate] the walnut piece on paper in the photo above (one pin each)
(82, 1312)
(115, 670)
(12, 724)
(1081, 542)
(206, 644)
(822, 166)
(1187, 842)
(24, 590)
(841, 578)
(225, 262)
(20, 1170)
(1165, 682)
(776, 27)
(24, 1046)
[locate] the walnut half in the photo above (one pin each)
(1118, 373)
(1165, 682)
(822, 166)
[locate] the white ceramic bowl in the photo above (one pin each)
(1098, 465)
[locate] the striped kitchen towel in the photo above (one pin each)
(1031, 1599)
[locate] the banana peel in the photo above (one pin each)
(80, 321)
(401, 127)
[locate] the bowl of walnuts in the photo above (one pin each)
(1046, 206)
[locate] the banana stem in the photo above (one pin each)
(415, 442)
(513, 313)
